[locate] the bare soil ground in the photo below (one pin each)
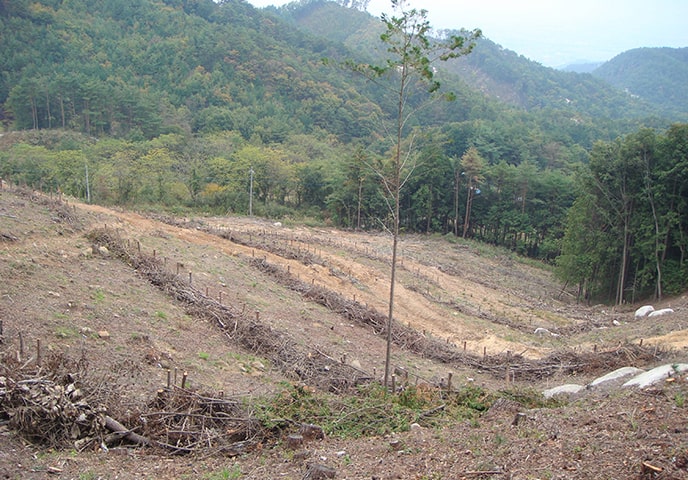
(461, 307)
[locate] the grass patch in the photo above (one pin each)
(372, 411)
(204, 356)
(98, 296)
(226, 473)
(66, 332)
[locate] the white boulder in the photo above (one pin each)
(662, 312)
(644, 311)
(615, 375)
(656, 375)
(568, 389)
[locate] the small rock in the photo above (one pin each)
(103, 250)
(396, 445)
(104, 334)
(53, 294)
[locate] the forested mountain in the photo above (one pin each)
(179, 104)
(657, 75)
(149, 67)
(491, 69)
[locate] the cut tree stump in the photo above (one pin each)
(319, 472)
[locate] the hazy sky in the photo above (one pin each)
(557, 32)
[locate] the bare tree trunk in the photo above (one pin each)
(47, 108)
(34, 113)
(62, 112)
(456, 201)
(358, 209)
(624, 261)
(469, 205)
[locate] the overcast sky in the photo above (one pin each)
(557, 32)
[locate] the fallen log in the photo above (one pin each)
(114, 426)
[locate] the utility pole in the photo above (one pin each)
(250, 193)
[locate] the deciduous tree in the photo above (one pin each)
(409, 68)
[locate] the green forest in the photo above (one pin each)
(192, 106)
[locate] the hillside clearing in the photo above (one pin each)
(84, 302)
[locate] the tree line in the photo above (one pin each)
(626, 233)
(615, 226)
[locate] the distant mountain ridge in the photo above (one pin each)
(657, 75)
(581, 67)
(507, 76)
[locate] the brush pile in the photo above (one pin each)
(49, 406)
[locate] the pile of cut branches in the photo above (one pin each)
(184, 421)
(67, 410)
(48, 406)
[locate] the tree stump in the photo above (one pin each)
(312, 432)
(319, 472)
(294, 441)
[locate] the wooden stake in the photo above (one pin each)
(184, 377)
(169, 377)
(449, 381)
(38, 352)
